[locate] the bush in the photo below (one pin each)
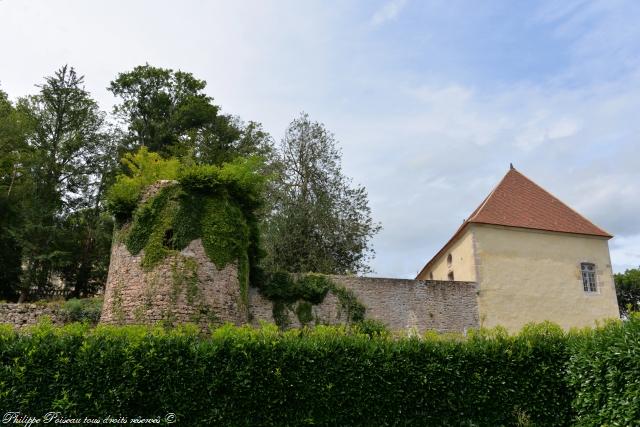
(82, 310)
(323, 376)
(372, 328)
(605, 373)
(144, 168)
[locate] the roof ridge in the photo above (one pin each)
(563, 203)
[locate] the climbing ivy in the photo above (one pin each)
(217, 204)
(285, 289)
(280, 314)
(304, 311)
(220, 205)
(152, 226)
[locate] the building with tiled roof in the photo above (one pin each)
(532, 257)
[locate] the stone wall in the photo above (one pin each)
(21, 315)
(422, 305)
(169, 292)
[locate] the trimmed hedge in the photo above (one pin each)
(604, 371)
(324, 376)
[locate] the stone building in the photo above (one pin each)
(532, 257)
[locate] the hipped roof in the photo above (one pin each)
(519, 202)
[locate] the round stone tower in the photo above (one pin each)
(181, 256)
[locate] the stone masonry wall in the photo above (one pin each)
(21, 315)
(443, 306)
(165, 293)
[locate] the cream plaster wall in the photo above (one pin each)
(531, 276)
(463, 262)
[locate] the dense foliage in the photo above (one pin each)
(319, 221)
(168, 112)
(605, 373)
(358, 375)
(326, 376)
(217, 204)
(285, 289)
(628, 290)
(82, 310)
(56, 156)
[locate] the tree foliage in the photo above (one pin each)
(319, 221)
(168, 112)
(57, 157)
(12, 144)
(628, 290)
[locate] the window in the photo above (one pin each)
(589, 277)
(450, 275)
(431, 275)
(449, 260)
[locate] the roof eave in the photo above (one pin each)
(604, 234)
(450, 242)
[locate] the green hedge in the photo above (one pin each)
(326, 376)
(604, 371)
(241, 376)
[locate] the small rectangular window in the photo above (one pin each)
(450, 275)
(589, 277)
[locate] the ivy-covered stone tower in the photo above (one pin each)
(184, 248)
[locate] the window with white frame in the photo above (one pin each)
(589, 283)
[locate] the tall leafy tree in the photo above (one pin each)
(67, 147)
(628, 290)
(168, 112)
(12, 153)
(319, 220)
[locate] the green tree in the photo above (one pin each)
(13, 151)
(319, 221)
(168, 112)
(67, 153)
(628, 290)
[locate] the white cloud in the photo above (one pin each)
(625, 253)
(389, 11)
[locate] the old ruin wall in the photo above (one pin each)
(420, 305)
(168, 293)
(134, 295)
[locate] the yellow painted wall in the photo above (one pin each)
(527, 275)
(462, 265)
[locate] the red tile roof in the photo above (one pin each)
(519, 202)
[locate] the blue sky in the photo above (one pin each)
(430, 100)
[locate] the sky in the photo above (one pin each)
(429, 100)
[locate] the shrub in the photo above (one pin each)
(82, 310)
(144, 168)
(322, 376)
(605, 373)
(284, 289)
(372, 328)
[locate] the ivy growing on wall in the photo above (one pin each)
(217, 204)
(299, 293)
(220, 205)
